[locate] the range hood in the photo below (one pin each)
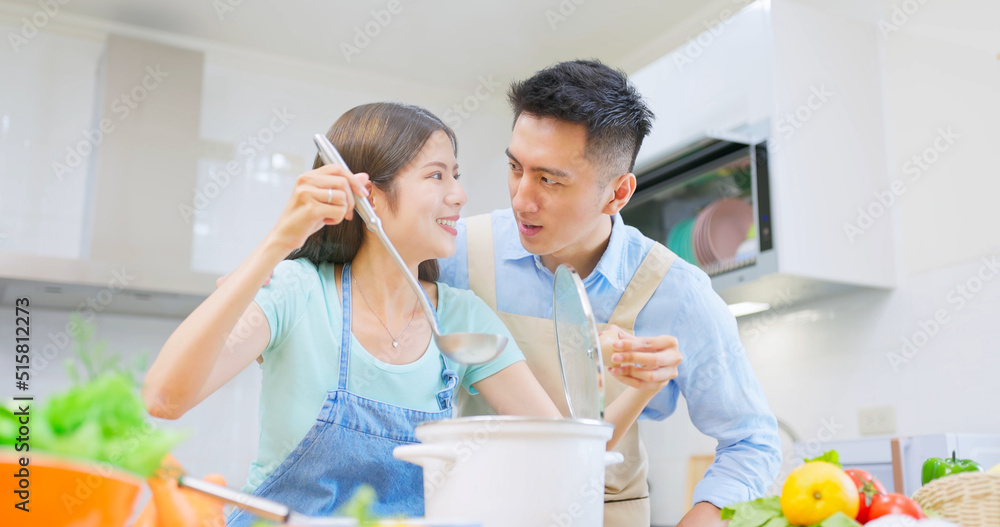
(136, 251)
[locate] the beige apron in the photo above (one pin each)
(626, 493)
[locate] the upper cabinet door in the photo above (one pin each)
(103, 151)
(47, 143)
(719, 81)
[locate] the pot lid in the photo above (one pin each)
(580, 357)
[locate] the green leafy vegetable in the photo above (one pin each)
(838, 519)
(359, 506)
(92, 355)
(100, 418)
(103, 420)
(8, 426)
(830, 456)
(766, 512)
(757, 513)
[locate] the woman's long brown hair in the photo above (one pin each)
(379, 139)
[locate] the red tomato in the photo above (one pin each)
(868, 489)
(895, 504)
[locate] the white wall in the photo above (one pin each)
(827, 359)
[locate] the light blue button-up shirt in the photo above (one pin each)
(723, 396)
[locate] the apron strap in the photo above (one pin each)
(482, 272)
(345, 343)
(642, 286)
(446, 397)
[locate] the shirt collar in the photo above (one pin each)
(611, 265)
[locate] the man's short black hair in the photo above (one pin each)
(590, 93)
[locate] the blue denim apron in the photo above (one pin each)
(351, 445)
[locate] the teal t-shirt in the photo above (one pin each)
(301, 361)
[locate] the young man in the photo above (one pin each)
(577, 129)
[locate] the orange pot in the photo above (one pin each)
(65, 492)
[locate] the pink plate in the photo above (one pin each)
(699, 236)
(727, 227)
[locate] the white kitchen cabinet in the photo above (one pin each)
(810, 83)
(831, 165)
(718, 81)
(146, 168)
(138, 166)
(46, 100)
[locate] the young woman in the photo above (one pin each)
(349, 365)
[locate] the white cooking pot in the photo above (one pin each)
(510, 471)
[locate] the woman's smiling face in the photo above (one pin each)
(428, 200)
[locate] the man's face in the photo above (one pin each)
(555, 191)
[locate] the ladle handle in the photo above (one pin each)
(330, 156)
(262, 507)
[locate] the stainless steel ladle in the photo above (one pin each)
(464, 348)
(260, 506)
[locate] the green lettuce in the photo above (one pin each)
(830, 456)
(359, 506)
(101, 417)
(766, 512)
(103, 420)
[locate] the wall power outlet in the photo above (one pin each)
(877, 420)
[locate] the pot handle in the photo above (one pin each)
(418, 454)
(613, 458)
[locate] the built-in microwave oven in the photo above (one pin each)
(709, 203)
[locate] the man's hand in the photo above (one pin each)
(703, 514)
(644, 363)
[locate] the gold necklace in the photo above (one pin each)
(395, 340)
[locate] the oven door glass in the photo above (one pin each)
(705, 214)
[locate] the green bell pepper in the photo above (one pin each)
(936, 467)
